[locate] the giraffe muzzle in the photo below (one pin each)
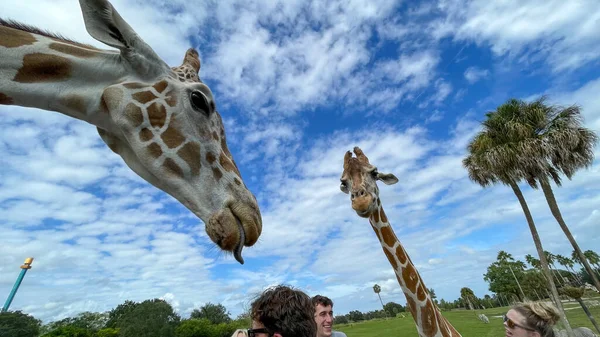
(235, 226)
(363, 205)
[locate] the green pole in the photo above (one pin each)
(26, 266)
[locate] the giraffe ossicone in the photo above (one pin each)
(162, 121)
(359, 179)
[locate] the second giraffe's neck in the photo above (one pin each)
(427, 316)
(50, 74)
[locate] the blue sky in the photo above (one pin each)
(298, 83)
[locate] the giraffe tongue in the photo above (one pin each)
(237, 253)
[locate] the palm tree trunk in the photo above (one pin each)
(382, 306)
(556, 212)
(588, 313)
(543, 261)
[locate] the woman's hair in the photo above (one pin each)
(243, 331)
(540, 316)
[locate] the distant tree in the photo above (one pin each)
(151, 318)
(505, 274)
(215, 313)
(91, 321)
(355, 316)
(392, 308)
(19, 324)
(69, 331)
(119, 312)
(377, 290)
(341, 319)
(593, 258)
(433, 295)
(196, 327)
(467, 295)
(107, 332)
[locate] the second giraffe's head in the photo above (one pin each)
(165, 125)
(359, 179)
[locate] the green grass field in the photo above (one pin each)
(466, 322)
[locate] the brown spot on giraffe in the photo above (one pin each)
(445, 328)
(217, 173)
(237, 181)
(160, 86)
(216, 136)
(134, 114)
(428, 319)
(190, 152)
(410, 277)
(228, 164)
(73, 50)
(401, 254)
(384, 218)
(171, 98)
(375, 216)
(171, 167)
(146, 134)
(155, 150)
(377, 232)
(74, 102)
(412, 306)
(135, 85)
(39, 68)
(391, 258)
(5, 100)
(210, 157)
(421, 294)
(157, 114)
(172, 137)
(13, 38)
(388, 235)
(144, 96)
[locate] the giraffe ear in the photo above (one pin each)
(104, 24)
(387, 178)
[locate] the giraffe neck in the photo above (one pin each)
(52, 74)
(427, 316)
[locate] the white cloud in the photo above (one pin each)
(563, 33)
(474, 74)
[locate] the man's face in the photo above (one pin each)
(324, 319)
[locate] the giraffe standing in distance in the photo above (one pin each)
(162, 121)
(359, 179)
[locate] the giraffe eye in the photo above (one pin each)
(200, 102)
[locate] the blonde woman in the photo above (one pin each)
(536, 319)
(240, 333)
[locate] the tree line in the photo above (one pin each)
(151, 318)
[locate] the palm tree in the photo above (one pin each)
(535, 263)
(551, 140)
(494, 157)
(593, 258)
(377, 290)
(466, 294)
(568, 264)
(551, 258)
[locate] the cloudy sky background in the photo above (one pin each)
(298, 83)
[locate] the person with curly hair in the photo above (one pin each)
(282, 311)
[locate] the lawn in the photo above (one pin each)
(465, 322)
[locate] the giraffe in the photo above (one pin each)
(162, 121)
(359, 179)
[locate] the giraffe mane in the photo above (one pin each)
(35, 30)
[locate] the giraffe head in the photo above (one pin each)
(359, 179)
(165, 125)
